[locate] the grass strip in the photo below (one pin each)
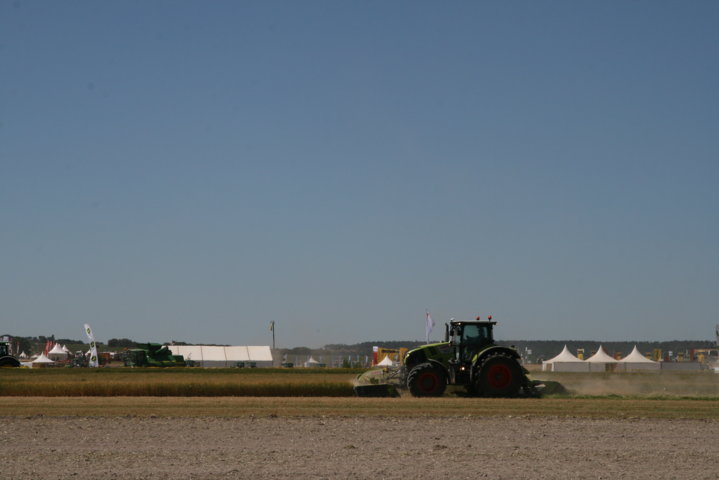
(630, 409)
(176, 382)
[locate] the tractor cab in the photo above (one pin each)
(467, 339)
(6, 357)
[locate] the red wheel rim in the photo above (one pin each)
(428, 382)
(499, 376)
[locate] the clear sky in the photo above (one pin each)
(192, 170)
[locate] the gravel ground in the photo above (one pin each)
(360, 448)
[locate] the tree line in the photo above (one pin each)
(533, 351)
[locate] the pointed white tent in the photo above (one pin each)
(601, 362)
(57, 353)
(565, 362)
(386, 362)
(23, 354)
(313, 363)
(635, 361)
(41, 361)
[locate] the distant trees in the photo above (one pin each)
(298, 351)
(22, 344)
(121, 343)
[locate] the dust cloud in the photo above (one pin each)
(684, 384)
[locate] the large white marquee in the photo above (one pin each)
(229, 356)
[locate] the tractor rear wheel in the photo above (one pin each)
(426, 380)
(499, 376)
(9, 362)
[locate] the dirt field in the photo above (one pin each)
(361, 448)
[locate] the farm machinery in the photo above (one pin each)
(6, 357)
(152, 355)
(468, 357)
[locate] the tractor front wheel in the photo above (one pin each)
(426, 380)
(499, 376)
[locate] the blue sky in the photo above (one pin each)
(191, 170)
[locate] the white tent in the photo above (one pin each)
(224, 356)
(386, 362)
(213, 355)
(312, 363)
(601, 362)
(565, 362)
(57, 353)
(189, 352)
(41, 361)
(23, 354)
(635, 361)
(259, 353)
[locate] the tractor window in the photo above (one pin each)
(476, 334)
(473, 338)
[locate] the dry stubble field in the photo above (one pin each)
(321, 437)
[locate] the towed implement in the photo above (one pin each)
(468, 357)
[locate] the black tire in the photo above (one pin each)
(499, 376)
(426, 380)
(9, 362)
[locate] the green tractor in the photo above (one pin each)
(468, 357)
(6, 358)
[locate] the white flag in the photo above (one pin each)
(429, 325)
(93, 347)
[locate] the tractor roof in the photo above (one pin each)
(473, 322)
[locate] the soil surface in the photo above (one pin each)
(361, 448)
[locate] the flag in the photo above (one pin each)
(429, 325)
(93, 346)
